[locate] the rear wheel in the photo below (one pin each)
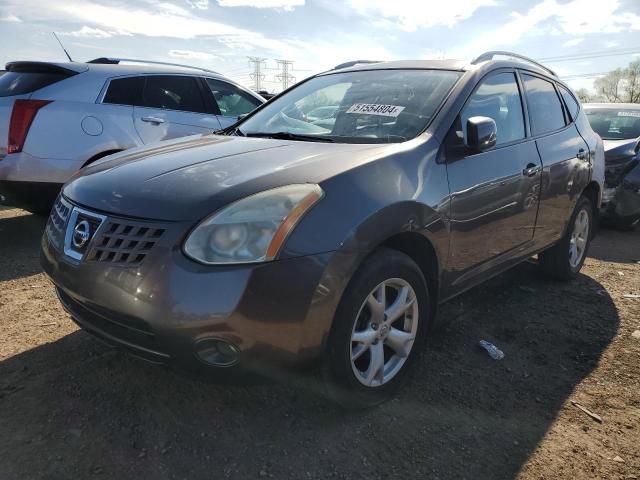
(378, 331)
(565, 259)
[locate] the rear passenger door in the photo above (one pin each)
(230, 101)
(172, 106)
(565, 156)
(493, 193)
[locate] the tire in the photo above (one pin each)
(564, 260)
(359, 384)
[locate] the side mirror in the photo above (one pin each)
(481, 133)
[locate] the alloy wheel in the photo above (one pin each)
(384, 332)
(579, 237)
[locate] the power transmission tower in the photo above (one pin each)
(257, 76)
(284, 76)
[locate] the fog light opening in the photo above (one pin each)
(217, 352)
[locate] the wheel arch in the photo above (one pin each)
(420, 249)
(593, 192)
(409, 227)
(100, 155)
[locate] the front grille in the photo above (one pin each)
(123, 242)
(57, 222)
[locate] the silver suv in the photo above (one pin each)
(56, 118)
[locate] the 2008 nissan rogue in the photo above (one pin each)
(295, 239)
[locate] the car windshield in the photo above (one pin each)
(614, 123)
(378, 106)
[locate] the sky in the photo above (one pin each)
(580, 39)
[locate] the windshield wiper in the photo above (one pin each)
(230, 131)
(290, 136)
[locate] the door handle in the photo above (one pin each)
(531, 170)
(152, 119)
(581, 155)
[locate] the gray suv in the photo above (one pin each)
(291, 239)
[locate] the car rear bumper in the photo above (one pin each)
(164, 308)
(22, 167)
(35, 196)
(33, 182)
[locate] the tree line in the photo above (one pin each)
(621, 85)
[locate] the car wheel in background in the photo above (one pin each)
(565, 259)
(378, 330)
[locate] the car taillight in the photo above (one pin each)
(24, 111)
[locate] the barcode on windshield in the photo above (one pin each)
(628, 114)
(375, 109)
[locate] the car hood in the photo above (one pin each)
(190, 178)
(617, 151)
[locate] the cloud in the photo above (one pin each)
(162, 20)
(411, 15)
(286, 4)
(573, 42)
(587, 16)
(198, 4)
(88, 32)
(550, 17)
(9, 17)
(193, 55)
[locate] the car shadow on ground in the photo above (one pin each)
(74, 408)
(20, 245)
(616, 245)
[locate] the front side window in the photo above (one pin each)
(545, 109)
(498, 98)
(375, 106)
(614, 123)
(173, 92)
(231, 101)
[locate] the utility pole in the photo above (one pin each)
(257, 76)
(284, 76)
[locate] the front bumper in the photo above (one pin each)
(162, 307)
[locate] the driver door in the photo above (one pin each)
(494, 193)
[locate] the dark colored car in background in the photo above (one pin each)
(619, 126)
(284, 243)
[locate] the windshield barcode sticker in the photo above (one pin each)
(375, 109)
(628, 114)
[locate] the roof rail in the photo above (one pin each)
(116, 61)
(353, 63)
(489, 56)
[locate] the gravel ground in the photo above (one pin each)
(73, 408)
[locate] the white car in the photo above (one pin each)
(56, 118)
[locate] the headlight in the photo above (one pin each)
(252, 229)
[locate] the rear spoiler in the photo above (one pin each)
(46, 67)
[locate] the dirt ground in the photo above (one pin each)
(71, 408)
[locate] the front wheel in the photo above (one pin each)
(378, 330)
(565, 259)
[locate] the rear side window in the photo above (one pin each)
(570, 102)
(231, 101)
(125, 91)
(497, 97)
(173, 92)
(545, 109)
(21, 83)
